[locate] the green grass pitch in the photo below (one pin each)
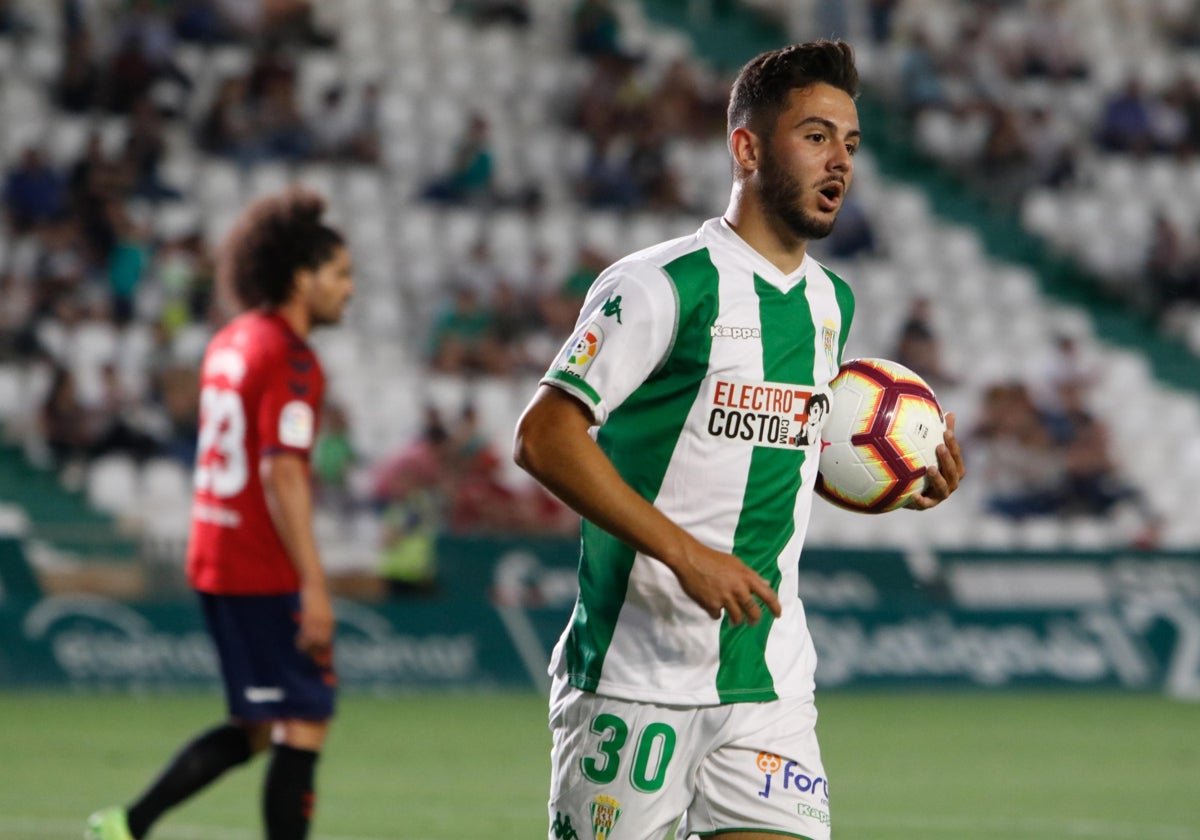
(940, 766)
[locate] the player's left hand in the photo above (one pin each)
(316, 620)
(942, 480)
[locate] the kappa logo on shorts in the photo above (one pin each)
(770, 763)
(605, 811)
(562, 828)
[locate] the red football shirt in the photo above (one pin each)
(260, 392)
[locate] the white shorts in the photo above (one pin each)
(641, 766)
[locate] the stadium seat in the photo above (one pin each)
(112, 485)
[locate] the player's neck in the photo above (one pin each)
(295, 315)
(748, 221)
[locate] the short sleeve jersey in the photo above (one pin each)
(697, 359)
(260, 390)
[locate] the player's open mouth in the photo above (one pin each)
(829, 197)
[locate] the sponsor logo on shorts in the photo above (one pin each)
(605, 811)
(770, 763)
(813, 813)
(562, 828)
(772, 414)
(263, 694)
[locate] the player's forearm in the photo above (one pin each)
(289, 499)
(554, 447)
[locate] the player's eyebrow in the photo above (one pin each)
(829, 124)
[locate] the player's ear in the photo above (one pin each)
(302, 281)
(744, 146)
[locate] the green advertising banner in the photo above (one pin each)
(1109, 619)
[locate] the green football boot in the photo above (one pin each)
(108, 824)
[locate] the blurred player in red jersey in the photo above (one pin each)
(252, 556)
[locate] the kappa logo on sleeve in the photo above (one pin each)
(297, 425)
(579, 354)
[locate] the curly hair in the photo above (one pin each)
(760, 92)
(275, 237)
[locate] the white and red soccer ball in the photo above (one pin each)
(883, 430)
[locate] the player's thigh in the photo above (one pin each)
(767, 779)
(266, 677)
(614, 762)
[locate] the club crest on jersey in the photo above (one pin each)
(829, 339)
(773, 414)
(605, 811)
(581, 351)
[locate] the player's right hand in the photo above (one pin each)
(722, 583)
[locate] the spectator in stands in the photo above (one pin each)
(854, 234)
(278, 121)
(18, 338)
(345, 129)
(34, 192)
(184, 270)
(143, 54)
(12, 21)
(463, 338)
(559, 306)
(1021, 467)
(687, 105)
(655, 183)
(334, 457)
(1126, 125)
(485, 12)
(1051, 47)
(228, 128)
(201, 22)
(145, 148)
(514, 319)
(410, 488)
(917, 346)
(920, 78)
(282, 20)
(607, 180)
(596, 29)
(77, 89)
(1092, 485)
(1172, 269)
(469, 177)
(1003, 170)
(63, 422)
(127, 262)
(76, 431)
(1051, 147)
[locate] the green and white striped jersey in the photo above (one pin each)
(700, 361)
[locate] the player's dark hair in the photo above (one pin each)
(760, 92)
(275, 237)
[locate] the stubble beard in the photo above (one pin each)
(782, 198)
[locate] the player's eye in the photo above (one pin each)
(852, 149)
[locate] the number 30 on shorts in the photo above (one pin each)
(652, 753)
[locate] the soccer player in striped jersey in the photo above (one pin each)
(676, 421)
(252, 556)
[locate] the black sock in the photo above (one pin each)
(197, 764)
(288, 795)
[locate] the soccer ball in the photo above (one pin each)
(883, 430)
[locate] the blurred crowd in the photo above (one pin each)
(78, 255)
(1016, 95)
